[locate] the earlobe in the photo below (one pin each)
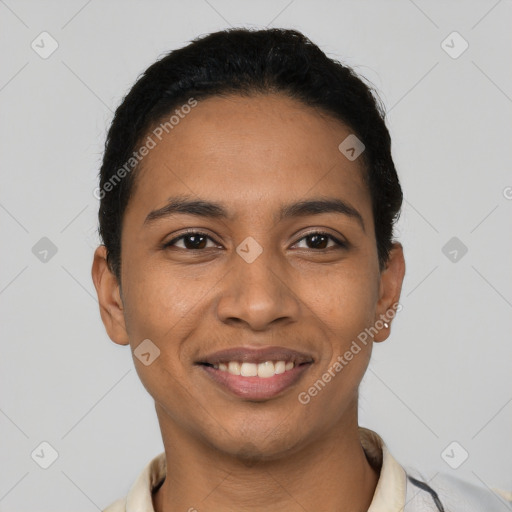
(109, 297)
(391, 280)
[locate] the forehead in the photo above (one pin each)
(251, 153)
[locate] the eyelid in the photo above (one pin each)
(339, 241)
(190, 231)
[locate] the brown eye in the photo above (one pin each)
(320, 241)
(191, 241)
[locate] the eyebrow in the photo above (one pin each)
(184, 205)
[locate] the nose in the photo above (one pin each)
(257, 294)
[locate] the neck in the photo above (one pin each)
(330, 474)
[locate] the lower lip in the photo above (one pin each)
(257, 388)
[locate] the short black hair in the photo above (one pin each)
(247, 61)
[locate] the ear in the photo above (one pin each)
(109, 297)
(391, 279)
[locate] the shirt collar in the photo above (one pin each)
(389, 494)
(391, 488)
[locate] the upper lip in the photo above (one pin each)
(256, 355)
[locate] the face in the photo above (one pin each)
(281, 266)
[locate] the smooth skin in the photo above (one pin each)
(197, 296)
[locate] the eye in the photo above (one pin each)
(196, 240)
(319, 239)
(193, 240)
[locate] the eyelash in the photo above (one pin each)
(339, 243)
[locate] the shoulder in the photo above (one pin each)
(446, 493)
(118, 506)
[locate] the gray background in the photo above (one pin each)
(443, 376)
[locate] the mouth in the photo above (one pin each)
(256, 374)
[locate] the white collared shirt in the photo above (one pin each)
(396, 491)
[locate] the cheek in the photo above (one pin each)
(161, 307)
(344, 305)
(344, 301)
(158, 301)
(165, 307)
(343, 310)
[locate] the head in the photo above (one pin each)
(249, 141)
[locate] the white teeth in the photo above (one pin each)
(249, 370)
(262, 370)
(280, 367)
(233, 367)
(266, 369)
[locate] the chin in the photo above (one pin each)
(252, 446)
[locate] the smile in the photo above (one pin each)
(256, 374)
(263, 370)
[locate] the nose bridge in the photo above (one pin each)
(256, 290)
